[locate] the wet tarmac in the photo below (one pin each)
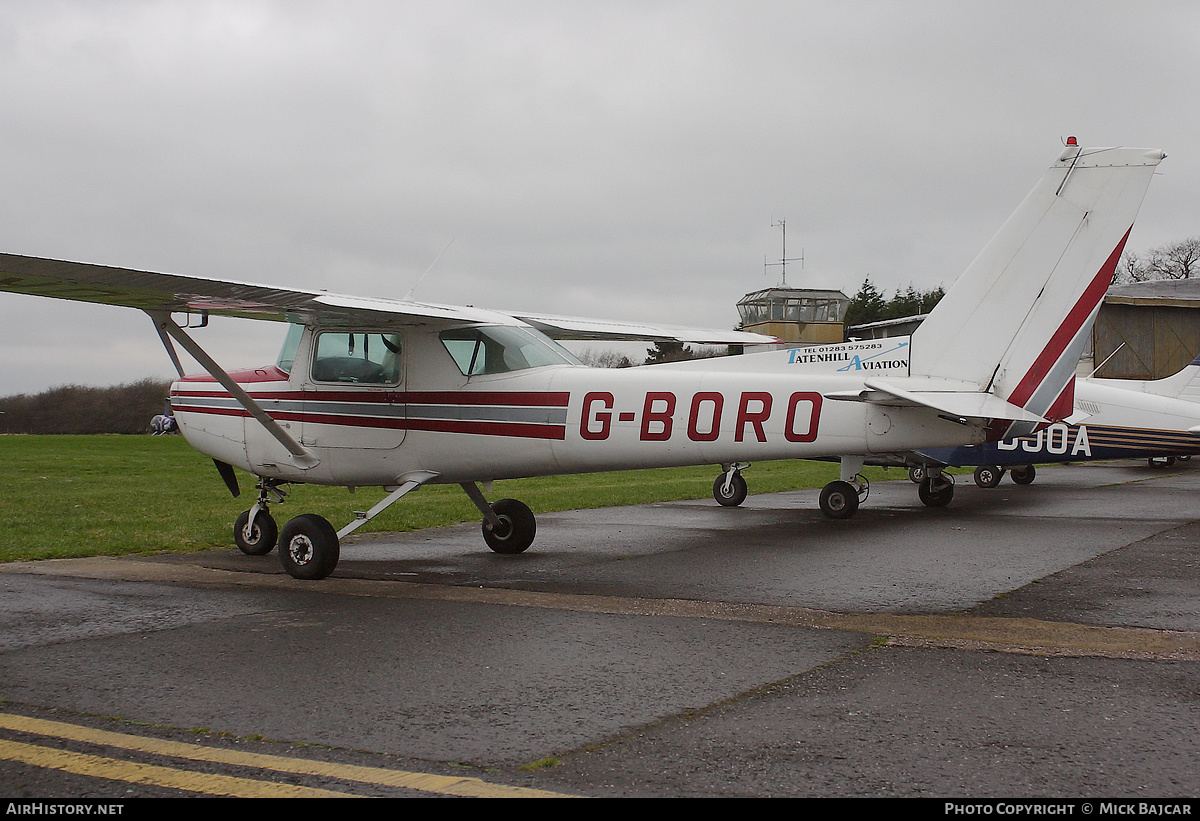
(1038, 640)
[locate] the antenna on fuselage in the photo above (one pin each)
(784, 260)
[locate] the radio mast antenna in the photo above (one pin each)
(784, 260)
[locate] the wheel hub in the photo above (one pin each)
(504, 530)
(301, 550)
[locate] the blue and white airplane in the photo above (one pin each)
(1157, 420)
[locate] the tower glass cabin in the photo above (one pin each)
(803, 315)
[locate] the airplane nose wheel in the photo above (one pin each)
(255, 532)
(258, 540)
(516, 529)
(308, 547)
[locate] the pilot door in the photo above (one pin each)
(353, 396)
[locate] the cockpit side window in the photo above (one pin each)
(357, 358)
(502, 349)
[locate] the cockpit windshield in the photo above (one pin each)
(291, 343)
(503, 349)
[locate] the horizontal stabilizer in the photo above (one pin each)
(964, 404)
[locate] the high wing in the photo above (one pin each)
(174, 293)
(572, 327)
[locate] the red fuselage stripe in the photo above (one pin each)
(386, 397)
(526, 430)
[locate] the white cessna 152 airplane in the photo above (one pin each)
(399, 394)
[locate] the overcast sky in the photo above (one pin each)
(624, 160)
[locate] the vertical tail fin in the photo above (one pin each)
(1016, 321)
(1183, 385)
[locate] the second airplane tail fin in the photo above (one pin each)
(1016, 321)
(1184, 384)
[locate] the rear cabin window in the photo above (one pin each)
(501, 349)
(357, 358)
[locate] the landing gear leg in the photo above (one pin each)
(840, 499)
(508, 525)
(309, 547)
(408, 483)
(730, 488)
(255, 532)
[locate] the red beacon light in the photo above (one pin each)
(1072, 141)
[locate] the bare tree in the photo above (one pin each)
(605, 359)
(1175, 260)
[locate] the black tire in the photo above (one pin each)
(936, 491)
(518, 527)
(737, 490)
(308, 547)
(1023, 475)
(262, 540)
(988, 475)
(916, 475)
(839, 500)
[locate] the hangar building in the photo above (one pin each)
(1147, 330)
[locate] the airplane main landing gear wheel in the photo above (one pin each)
(730, 493)
(259, 540)
(936, 491)
(516, 530)
(839, 500)
(1023, 475)
(308, 547)
(988, 475)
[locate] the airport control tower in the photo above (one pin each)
(795, 315)
(802, 315)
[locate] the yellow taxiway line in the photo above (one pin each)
(213, 784)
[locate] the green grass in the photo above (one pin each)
(67, 496)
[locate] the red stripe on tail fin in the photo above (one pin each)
(1064, 405)
(1069, 328)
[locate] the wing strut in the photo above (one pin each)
(302, 456)
(166, 341)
